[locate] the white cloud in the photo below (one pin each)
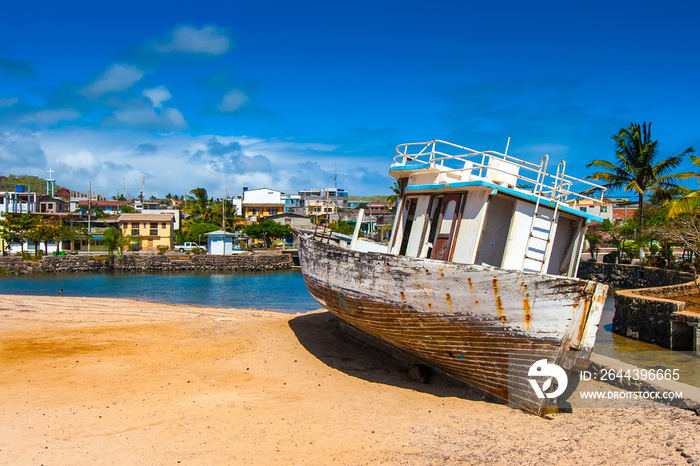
(50, 116)
(113, 160)
(209, 40)
(148, 118)
(158, 95)
(232, 101)
(82, 160)
(20, 153)
(118, 77)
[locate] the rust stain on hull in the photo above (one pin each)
(499, 302)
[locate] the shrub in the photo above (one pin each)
(161, 250)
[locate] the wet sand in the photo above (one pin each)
(108, 381)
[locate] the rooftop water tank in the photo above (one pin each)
(19, 188)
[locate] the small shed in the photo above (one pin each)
(220, 243)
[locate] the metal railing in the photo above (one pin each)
(452, 158)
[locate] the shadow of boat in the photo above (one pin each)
(320, 334)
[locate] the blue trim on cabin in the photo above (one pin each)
(513, 192)
(409, 166)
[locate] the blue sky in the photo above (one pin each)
(228, 94)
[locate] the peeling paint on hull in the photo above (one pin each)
(480, 324)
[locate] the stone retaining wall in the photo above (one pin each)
(146, 263)
(630, 276)
(653, 315)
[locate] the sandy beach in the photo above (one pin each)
(108, 381)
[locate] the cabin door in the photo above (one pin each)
(449, 211)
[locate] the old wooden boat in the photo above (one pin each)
(479, 276)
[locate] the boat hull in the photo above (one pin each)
(482, 325)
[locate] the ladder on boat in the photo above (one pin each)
(541, 229)
(322, 233)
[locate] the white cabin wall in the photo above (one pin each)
(526, 249)
(470, 226)
(518, 235)
(420, 218)
(495, 233)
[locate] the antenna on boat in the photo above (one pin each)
(507, 145)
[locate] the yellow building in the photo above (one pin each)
(152, 230)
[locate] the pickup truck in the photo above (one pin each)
(188, 246)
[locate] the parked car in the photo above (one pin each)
(189, 246)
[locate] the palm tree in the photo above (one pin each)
(396, 193)
(689, 201)
(636, 169)
(199, 205)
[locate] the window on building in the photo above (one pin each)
(154, 231)
(603, 209)
(154, 225)
(584, 209)
(162, 225)
(135, 232)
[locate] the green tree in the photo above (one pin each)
(618, 231)
(636, 168)
(343, 227)
(18, 228)
(594, 240)
(198, 205)
(35, 235)
(232, 218)
(196, 230)
(111, 239)
(393, 198)
(266, 230)
(689, 201)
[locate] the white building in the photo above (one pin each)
(257, 204)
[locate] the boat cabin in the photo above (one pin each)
(488, 208)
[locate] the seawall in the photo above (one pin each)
(651, 306)
(146, 263)
(631, 276)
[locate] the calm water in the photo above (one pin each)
(640, 354)
(283, 291)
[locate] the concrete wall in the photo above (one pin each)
(146, 263)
